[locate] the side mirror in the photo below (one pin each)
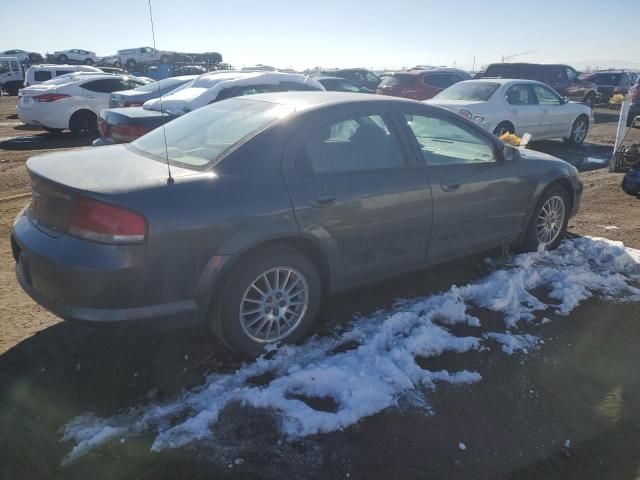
(565, 100)
(510, 153)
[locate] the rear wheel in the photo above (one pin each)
(578, 131)
(83, 123)
(271, 296)
(548, 223)
(590, 99)
(89, 61)
(502, 128)
(62, 58)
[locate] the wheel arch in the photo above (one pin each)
(210, 286)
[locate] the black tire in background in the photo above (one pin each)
(502, 128)
(590, 99)
(83, 123)
(62, 58)
(224, 317)
(531, 242)
(89, 61)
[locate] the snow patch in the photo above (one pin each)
(381, 369)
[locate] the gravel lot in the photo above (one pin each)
(580, 386)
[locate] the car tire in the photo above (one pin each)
(83, 123)
(131, 63)
(253, 282)
(89, 61)
(12, 92)
(590, 99)
(62, 58)
(117, 64)
(579, 131)
(502, 128)
(552, 231)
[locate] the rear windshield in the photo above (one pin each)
(398, 80)
(503, 71)
(200, 139)
(471, 91)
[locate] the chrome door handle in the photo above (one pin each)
(323, 201)
(449, 187)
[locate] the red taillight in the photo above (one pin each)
(128, 133)
(131, 104)
(50, 97)
(103, 222)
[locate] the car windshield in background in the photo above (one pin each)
(401, 80)
(606, 78)
(199, 140)
(472, 91)
(160, 85)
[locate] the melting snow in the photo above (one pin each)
(381, 368)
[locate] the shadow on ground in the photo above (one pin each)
(581, 386)
(44, 141)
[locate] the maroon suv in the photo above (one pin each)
(562, 78)
(420, 84)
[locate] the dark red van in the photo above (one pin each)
(420, 84)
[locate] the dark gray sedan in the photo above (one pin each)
(273, 201)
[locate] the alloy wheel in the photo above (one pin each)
(274, 304)
(580, 131)
(550, 220)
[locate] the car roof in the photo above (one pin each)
(422, 71)
(311, 100)
(503, 81)
(328, 77)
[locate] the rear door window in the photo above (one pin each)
(353, 144)
(42, 75)
(107, 85)
(520, 95)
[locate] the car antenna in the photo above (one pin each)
(164, 132)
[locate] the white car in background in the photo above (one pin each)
(76, 55)
(72, 101)
(518, 106)
(21, 55)
(130, 57)
(36, 74)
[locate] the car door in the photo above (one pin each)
(524, 111)
(437, 82)
(555, 118)
(480, 200)
(355, 184)
(558, 79)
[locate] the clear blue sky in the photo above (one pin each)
(299, 34)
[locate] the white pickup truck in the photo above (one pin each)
(11, 75)
(132, 56)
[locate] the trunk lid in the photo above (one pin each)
(58, 179)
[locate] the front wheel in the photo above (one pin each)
(548, 223)
(83, 123)
(271, 296)
(89, 61)
(590, 99)
(578, 131)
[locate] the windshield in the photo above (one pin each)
(471, 91)
(200, 139)
(161, 85)
(397, 80)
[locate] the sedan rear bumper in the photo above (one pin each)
(86, 281)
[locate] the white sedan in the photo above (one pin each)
(518, 106)
(76, 55)
(72, 101)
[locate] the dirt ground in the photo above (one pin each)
(581, 385)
